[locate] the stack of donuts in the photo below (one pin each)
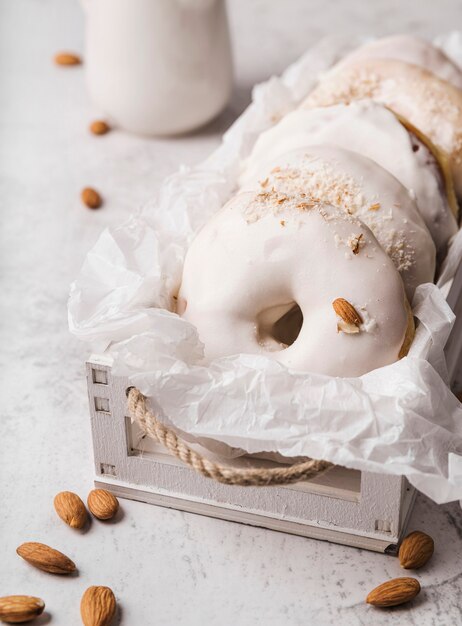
(344, 207)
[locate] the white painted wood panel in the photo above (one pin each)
(345, 506)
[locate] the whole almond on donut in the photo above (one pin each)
(45, 558)
(346, 311)
(415, 550)
(98, 606)
(102, 504)
(67, 58)
(70, 509)
(20, 609)
(351, 319)
(394, 592)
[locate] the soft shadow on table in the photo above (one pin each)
(118, 616)
(439, 518)
(239, 101)
(44, 618)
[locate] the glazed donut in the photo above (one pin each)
(297, 281)
(362, 188)
(432, 105)
(372, 130)
(410, 49)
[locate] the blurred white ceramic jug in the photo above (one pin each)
(158, 67)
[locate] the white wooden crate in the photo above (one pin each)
(345, 506)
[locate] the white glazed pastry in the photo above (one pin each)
(432, 105)
(410, 49)
(362, 188)
(297, 281)
(374, 131)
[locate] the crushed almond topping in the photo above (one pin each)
(322, 184)
(304, 206)
(355, 243)
(282, 222)
(281, 199)
(263, 183)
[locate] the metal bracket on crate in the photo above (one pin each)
(344, 506)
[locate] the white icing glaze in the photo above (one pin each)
(372, 130)
(263, 253)
(359, 186)
(432, 105)
(410, 49)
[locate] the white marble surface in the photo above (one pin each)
(165, 567)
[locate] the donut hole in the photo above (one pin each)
(279, 326)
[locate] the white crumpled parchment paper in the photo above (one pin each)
(400, 419)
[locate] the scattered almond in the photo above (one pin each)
(102, 503)
(70, 509)
(99, 127)
(91, 198)
(19, 609)
(394, 592)
(45, 558)
(351, 319)
(67, 58)
(98, 606)
(415, 550)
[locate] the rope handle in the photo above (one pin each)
(247, 477)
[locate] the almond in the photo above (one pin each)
(67, 58)
(415, 550)
(98, 606)
(394, 592)
(347, 312)
(19, 609)
(91, 198)
(102, 504)
(349, 329)
(350, 318)
(71, 509)
(45, 558)
(99, 127)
